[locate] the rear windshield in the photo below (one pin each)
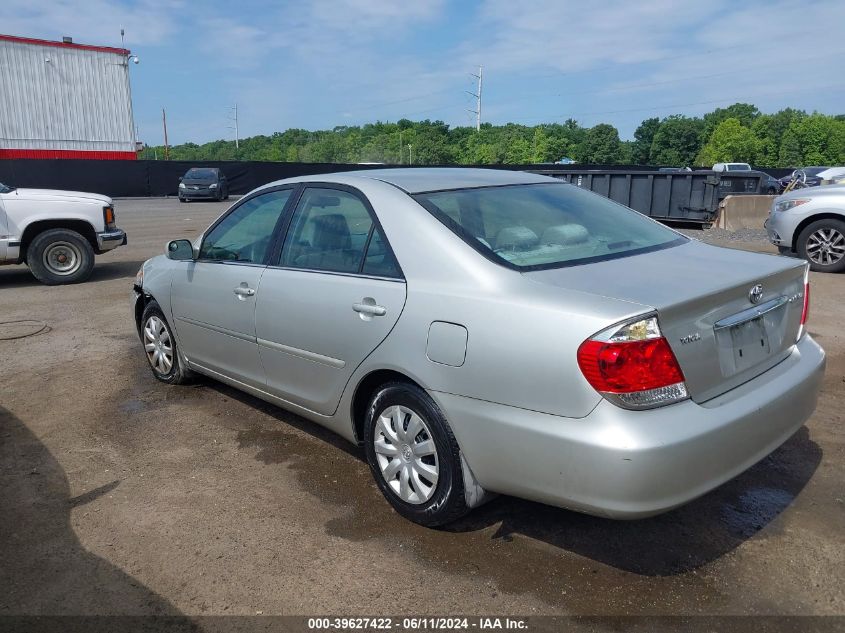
(738, 167)
(530, 227)
(204, 174)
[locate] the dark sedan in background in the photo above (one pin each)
(203, 183)
(812, 177)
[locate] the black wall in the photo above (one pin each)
(142, 178)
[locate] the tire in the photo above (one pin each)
(157, 338)
(60, 256)
(181, 199)
(432, 452)
(226, 197)
(822, 243)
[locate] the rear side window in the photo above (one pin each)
(546, 225)
(332, 230)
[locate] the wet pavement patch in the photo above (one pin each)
(522, 547)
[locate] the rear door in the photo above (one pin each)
(333, 294)
(213, 298)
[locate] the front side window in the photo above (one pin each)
(246, 233)
(546, 225)
(331, 230)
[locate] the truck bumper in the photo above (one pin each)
(109, 240)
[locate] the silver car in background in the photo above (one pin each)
(811, 223)
(485, 331)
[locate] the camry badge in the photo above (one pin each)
(755, 294)
(691, 338)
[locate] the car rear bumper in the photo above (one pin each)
(631, 464)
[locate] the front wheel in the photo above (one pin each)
(60, 256)
(414, 456)
(822, 243)
(160, 347)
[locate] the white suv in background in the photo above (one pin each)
(56, 233)
(732, 167)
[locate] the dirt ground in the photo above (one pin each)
(120, 495)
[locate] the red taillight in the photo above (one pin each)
(806, 312)
(629, 366)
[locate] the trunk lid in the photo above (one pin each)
(702, 297)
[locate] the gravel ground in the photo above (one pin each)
(121, 495)
(722, 237)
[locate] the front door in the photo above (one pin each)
(213, 298)
(331, 297)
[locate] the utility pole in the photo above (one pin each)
(236, 128)
(401, 147)
(477, 111)
(410, 155)
(166, 145)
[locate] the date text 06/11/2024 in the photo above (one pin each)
(417, 624)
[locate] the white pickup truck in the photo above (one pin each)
(56, 233)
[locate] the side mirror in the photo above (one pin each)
(180, 250)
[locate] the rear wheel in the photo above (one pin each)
(414, 456)
(60, 256)
(822, 243)
(160, 347)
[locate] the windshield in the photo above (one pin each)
(546, 225)
(739, 167)
(201, 174)
(5, 189)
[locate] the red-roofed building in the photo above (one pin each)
(64, 100)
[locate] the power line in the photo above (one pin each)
(556, 73)
(649, 84)
(683, 105)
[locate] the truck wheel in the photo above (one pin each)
(822, 243)
(60, 256)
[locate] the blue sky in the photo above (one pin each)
(324, 63)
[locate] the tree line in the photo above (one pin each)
(737, 133)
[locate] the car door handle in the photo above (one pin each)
(241, 291)
(370, 309)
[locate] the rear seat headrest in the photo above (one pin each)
(517, 237)
(565, 234)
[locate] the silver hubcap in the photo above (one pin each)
(826, 246)
(406, 454)
(62, 258)
(158, 345)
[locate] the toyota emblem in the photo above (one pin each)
(755, 294)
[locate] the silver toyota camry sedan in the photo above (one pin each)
(484, 331)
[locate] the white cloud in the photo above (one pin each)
(566, 35)
(146, 22)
